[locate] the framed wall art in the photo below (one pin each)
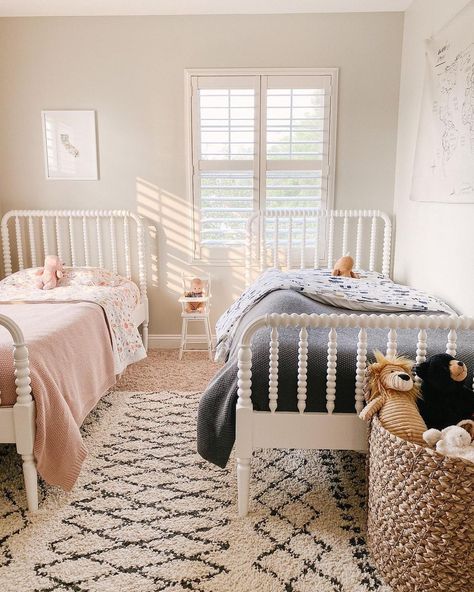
(70, 145)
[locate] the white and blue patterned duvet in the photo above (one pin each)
(371, 292)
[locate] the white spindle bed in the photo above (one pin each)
(271, 242)
(79, 237)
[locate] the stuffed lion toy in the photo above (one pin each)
(390, 391)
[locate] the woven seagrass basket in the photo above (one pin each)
(420, 515)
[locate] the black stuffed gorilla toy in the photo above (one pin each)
(445, 399)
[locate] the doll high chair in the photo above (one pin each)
(195, 305)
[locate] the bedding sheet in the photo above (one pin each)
(372, 292)
(71, 367)
(117, 296)
(216, 415)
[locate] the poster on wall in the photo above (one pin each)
(444, 158)
(70, 149)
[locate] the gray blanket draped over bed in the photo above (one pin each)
(216, 415)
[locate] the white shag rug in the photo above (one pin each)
(148, 514)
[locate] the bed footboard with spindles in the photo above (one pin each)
(323, 430)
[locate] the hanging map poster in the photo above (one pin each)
(444, 158)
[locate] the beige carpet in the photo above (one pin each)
(162, 370)
(148, 514)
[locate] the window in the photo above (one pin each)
(258, 141)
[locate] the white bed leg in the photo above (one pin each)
(24, 422)
(243, 485)
(243, 425)
(31, 481)
(24, 418)
(145, 335)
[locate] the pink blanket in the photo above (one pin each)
(71, 366)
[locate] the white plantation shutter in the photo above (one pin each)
(296, 136)
(225, 127)
(258, 142)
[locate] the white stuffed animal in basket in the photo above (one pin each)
(454, 440)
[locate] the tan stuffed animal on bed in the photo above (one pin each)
(391, 392)
(343, 267)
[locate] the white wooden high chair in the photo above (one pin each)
(201, 304)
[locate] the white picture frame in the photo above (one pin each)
(70, 145)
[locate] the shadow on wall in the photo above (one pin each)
(171, 246)
(168, 233)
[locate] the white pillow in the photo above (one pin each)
(72, 276)
(90, 276)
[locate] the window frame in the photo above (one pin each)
(259, 163)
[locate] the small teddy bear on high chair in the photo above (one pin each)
(196, 293)
(195, 305)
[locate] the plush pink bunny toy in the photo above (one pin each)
(50, 273)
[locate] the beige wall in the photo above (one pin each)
(435, 241)
(130, 70)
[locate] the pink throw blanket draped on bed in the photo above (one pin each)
(71, 366)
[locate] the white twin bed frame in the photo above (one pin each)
(282, 237)
(113, 239)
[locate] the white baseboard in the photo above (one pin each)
(172, 341)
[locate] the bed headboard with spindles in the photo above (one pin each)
(113, 239)
(302, 238)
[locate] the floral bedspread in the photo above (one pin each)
(117, 296)
(371, 292)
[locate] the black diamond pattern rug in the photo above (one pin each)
(149, 515)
